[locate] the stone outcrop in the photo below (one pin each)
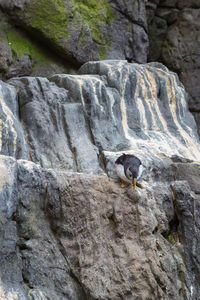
(22, 55)
(74, 32)
(68, 230)
(83, 31)
(131, 97)
(174, 40)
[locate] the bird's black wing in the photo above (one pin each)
(120, 160)
(128, 160)
(132, 161)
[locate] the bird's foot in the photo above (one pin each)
(124, 184)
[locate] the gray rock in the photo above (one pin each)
(73, 225)
(83, 31)
(11, 281)
(58, 133)
(5, 57)
(138, 32)
(31, 261)
(42, 106)
(12, 134)
(187, 205)
(139, 121)
(177, 44)
(110, 91)
(8, 193)
(61, 225)
(21, 67)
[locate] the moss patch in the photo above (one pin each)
(21, 45)
(96, 14)
(49, 17)
(57, 20)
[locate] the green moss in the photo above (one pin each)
(130, 27)
(49, 17)
(96, 14)
(17, 43)
(171, 238)
(102, 52)
(57, 19)
(22, 45)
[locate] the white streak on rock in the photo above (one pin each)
(8, 124)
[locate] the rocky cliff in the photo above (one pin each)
(40, 37)
(68, 229)
(174, 40)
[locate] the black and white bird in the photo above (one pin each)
(129, 168)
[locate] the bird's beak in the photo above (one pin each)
(134, 183)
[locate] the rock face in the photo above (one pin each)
(174, 40)
(87, 30)
(80, 31)
(145, 105)
(22, 55)
(68, 230)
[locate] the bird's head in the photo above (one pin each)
(132, 174)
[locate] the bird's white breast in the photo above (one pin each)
(120, 172)
(141, 169)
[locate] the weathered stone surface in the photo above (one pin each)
(31, 262)
(13, 140)
(22, 55)
(146, 110)
(186, 206)
(84, 31)
(85, 103)
(53, 122)
(141, 116)
(139, 31)
(68, 234)
(22, 67)
(41, 108)
(70, 226)
(177, 46)
(5, 58)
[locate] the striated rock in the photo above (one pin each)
(141, 116)
(69, 231)
(177, 45)
(138, 112)
(13, 140)
(185, 61)
(56, 145)
(57, 37)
